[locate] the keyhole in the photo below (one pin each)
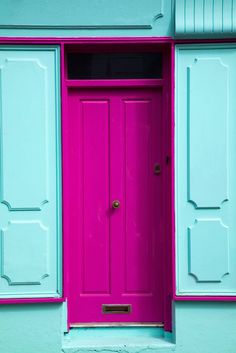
(157, 169)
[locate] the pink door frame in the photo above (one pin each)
(166, 164)
(166, 44)
(95, 112)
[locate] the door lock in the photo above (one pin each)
(157, 169)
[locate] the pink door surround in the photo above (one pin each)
(117, 253)
(166, 85)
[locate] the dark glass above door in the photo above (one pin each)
(84, 66)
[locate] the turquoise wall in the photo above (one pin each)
(182, 18)
(86, 18)
(33, 328)
(205, 327)
(199, 327)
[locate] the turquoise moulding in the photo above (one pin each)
(30, 188)
(205, 164)
(84, 19)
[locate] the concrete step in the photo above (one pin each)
(118, 340)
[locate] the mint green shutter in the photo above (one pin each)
(30, 233)
(205, 169)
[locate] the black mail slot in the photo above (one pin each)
(116, 308)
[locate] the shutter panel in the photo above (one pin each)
(205, 164)
(29, 172)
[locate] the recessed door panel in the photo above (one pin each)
(95, 159)
(115, 232)
(138, 196)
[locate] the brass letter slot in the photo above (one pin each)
(116, 308)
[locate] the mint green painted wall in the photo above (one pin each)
(205, 327)
(34, 328)
(86, 18)
(38, 328)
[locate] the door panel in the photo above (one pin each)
(138, 188)
(95, 195)
(116, 257)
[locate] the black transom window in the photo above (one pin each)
(82, 66)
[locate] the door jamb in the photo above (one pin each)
(168, 149)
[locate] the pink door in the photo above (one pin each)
(115, 247)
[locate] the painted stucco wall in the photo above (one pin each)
(205, 327)
(86, 18)
(199, 327)
(31, 328)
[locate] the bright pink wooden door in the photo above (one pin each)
(115, 254)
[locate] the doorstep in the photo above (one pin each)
(117, 339)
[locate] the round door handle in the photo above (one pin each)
(116, 204)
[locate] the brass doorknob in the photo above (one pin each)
(116, 204)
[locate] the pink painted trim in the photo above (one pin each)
(173, 247)
(115, 83)
(63, 95)
(86, 40)
(166, 197)
(37, 300)
(177, 297)
(170, 285)
(107, 40)
(31, 300)
(204, 298)
(142, 43)
(209, 40)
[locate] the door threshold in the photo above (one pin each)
(120, 339)
(118, 324)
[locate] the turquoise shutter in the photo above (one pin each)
(205, 162)
(29, 172)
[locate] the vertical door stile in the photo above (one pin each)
(117, 170)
